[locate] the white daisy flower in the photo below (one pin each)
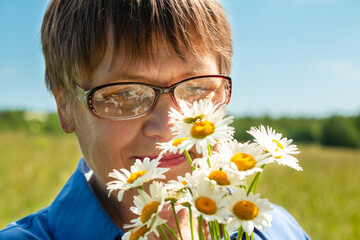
(173, 146)
(148, 207)
(202, 124)
(176, 189)
(140, 173)
(217, 173)
(139, 233)
(208, 201)
(249, 212)
(244, 159)
(200, 162)
(280, 148)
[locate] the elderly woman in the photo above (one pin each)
(98, 52)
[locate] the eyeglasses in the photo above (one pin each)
(129, 100)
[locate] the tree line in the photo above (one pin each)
(330, 131)
(334, 130)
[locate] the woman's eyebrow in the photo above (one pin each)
(138, 78)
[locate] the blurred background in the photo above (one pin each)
(296, 68)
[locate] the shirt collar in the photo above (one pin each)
(77, 213)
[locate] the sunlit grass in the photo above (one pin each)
(323, 198)
(33, 169)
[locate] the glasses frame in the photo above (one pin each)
(87, 95)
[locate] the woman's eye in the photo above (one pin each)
(200, 90)
(196, 88)
(126, 94)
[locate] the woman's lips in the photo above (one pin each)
(172, 160)
(169, 160)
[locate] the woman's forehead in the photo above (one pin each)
(117, 65)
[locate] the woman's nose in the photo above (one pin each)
(157, 122)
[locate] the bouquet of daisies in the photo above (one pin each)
(219, 192)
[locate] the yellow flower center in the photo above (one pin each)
(138, 233)
(135, 176)
(219, 177)
(177, 142)
(148, 210)
(245, 210)
(278, 144)
(243, 161)
(202, 129)
(205, 205)
(184, 182)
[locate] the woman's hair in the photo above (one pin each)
(76, 33)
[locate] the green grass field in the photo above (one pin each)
(324, 198)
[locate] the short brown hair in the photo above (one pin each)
(75, 34)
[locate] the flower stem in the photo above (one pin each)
(171, 231)
(254, 182)
(209, 152)
(201, 232)
(162, 232)
(212, 233)
(225, 233)
(189, 159)
(176, 219)
(217, 229)
(240, 233)
(209, 149)
(245, 185)
(191, 223)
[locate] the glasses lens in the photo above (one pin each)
(123, 101)
(216, 89)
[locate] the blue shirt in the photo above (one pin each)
(76, 213)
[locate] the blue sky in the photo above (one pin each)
(291, 57)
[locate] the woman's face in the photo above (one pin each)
(108, 144)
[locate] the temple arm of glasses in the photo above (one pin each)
(82, 95)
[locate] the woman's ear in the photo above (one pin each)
(64, 112)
